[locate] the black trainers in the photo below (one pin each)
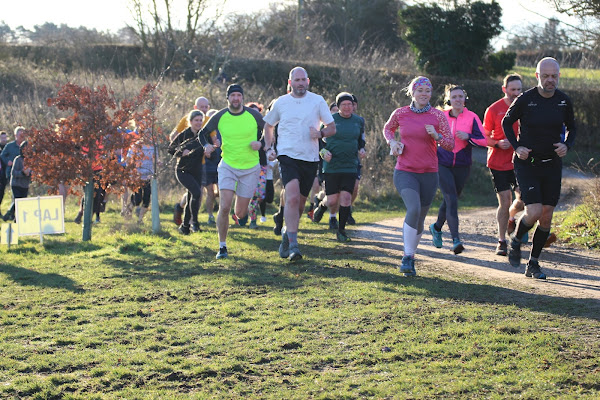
(319, 212)
(502, 248)
(184, 229)
(351, 220)
(195, 227)
(514, 253)
(222, 253)
(533, 270)
(278, 219)
(333, 224)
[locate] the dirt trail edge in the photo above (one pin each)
(572, 273)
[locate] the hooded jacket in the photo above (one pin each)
(467, 121)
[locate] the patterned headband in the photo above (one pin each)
(420, 81)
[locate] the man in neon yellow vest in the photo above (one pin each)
(241, 132)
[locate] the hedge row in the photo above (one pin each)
(324, 78)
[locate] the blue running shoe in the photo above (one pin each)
(408, 266)
(436, 236)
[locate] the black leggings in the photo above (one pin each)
(192, 181)
(18, 193)
(269, 194)
(452, 181)
(142, 196)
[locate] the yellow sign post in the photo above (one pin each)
(40, 216)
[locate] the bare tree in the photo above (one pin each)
(587, 32)
(585, 8)
(156, 23)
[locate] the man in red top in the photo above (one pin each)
(499, 160)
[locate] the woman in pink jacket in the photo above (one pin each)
(422, 128)
(455, 165)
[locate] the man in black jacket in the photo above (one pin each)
(544, 112)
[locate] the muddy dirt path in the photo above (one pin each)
(572, 272)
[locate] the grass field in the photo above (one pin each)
(137, 316)
(570, 78)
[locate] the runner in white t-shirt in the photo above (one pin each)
(299, 115)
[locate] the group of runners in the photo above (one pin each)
(526, 135)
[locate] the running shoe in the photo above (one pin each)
(319, 212)
(342, 237)
(351, 220)
(222, 253)
(512, 224)
(284, 247)
(184, 230)
(77, 218)
(211, 220)
(457, 246)
(263, 219)
(295, 254)
(514, 252)
(253, 224)
(177, 214)
(436, 236)
(278, 219)
(533, 270)
(408, 266)
(551, 239)
(235, 219)
(195, 227)
(333, 224)
(310, 214)
(502, 248)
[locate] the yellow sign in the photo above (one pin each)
(40, 215)
(8, 230)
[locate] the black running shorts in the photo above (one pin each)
(339, 182)
(503, 180)
(303, 171)
(540, 182)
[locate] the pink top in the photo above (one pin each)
(420, 149)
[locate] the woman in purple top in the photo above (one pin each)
(422, 128)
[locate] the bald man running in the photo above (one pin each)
(542, 111)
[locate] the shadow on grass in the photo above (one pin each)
(27, 277)
(331, 264)
(69, 247)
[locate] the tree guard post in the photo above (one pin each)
(155, 207)
(88, 202)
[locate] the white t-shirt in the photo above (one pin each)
(295, 117)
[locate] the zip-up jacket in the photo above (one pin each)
(467, 121)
